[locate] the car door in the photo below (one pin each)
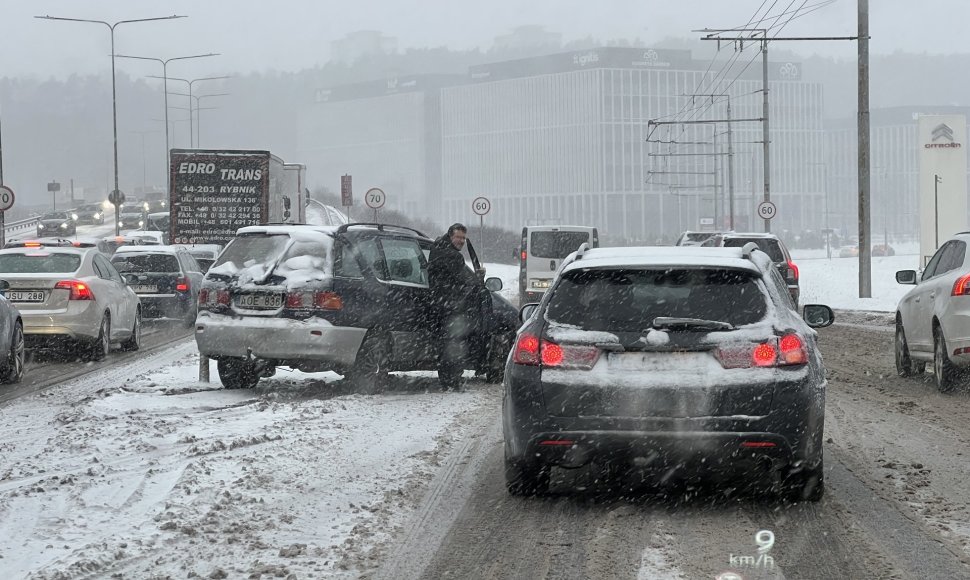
(950, 269)
(409, 301)
(919, 334)
(121, 300)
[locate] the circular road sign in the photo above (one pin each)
(116, 197)
(767, 210)
(481, 205)
(6, 198)
(375, 198)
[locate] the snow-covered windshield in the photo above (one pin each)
(248, 251)
(628, 300)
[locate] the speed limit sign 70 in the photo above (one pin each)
(767, 210)
(375, 198)
(481, 205)
(6, 198)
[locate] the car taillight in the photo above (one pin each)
(318, 300)
(789, 350)
(79, 290)
(328, 301)
(530, 350)
(524, 256)
(298, 300)
(793, 269)
(962, 286)
(211, 297)
(181, 284)
(203, 297)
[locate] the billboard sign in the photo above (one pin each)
(942, 180)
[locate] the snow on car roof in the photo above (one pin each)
(277, 229)
(664, 256)
(156, 249)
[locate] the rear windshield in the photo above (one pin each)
(39, 263)
(556, 245)
(145, 263)
(766, 245)
(248, 250)
(627, 300)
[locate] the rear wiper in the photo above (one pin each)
(664, 322)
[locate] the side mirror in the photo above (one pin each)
(493, 284)
(906, 277)
(527, 311)
(818, 315)
(130, 278)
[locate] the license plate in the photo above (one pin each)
(260, 300)
(144, 289)
(25, 296)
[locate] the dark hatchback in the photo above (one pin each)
(769, 244)
(166, 279)
(678, 361)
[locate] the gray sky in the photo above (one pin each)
(295, 34)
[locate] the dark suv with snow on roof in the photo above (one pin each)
(679, 360)
(352, 299)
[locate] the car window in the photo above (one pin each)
(370, 255)
(189, 263)
(405, 261)
(102, 273)
(769, 246)
(346, 261)
(109, 271)
(781, 288)
(146, 262)
(556, 245)
(628, 300)
(39, 263)
(934, 262)
(952, 258)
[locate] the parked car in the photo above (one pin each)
(883, 250)
(353, 299)
(769, 244)
(91, 213)
(205, 254)
(167, 279)
(71, 296)
(932, 319)
(12, 359)
(849, 252)
(688, 360)
(56, 223)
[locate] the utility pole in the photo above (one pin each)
(730, 152)
(766, 145)
(865, 244)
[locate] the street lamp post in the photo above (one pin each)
(190, 82)
(198, 115)
(114, 93)
(937, 180)
(168, 176)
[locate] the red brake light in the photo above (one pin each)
(764, 355)
(524, 255)
(552, 354)
(181, 284)
(203, 297)
(526, 350)
(328, 301)
(962, 286)
(32, 244)
(792, 350)
(793, 269)
(222, 297)
(79, 290)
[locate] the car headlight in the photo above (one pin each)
(40, 226)
(120, 224)
(141, 223)
(74, 216)
(64, 226)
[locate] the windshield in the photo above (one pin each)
(250, 250)
(138, 262)
(55, 216)
(39, 263)
(556, 245)
(630, 300)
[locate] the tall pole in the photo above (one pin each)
(114, 124)
(865, 245)
(168, 158)
(714, 196)
(936, 210)
(766, 146)
(730, 137)
(3, 227)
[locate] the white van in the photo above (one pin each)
(542, 251)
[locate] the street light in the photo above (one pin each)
(114, 98)
(168, 176)
(190, 82)
(937, 180)
(198, 115)
(144, 162)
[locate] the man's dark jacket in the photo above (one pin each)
(454, 287)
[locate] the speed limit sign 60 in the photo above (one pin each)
(6, 198)
(767, 210)
(375, 198)
(481, 205)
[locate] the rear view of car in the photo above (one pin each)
(769, 244)
(541, 252)
(166, 279)
(676, 361)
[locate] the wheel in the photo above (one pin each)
(14, 370)
(237, 373)
(525, 478)
(99, 349)
(905, 365)
(943, 370)
(369, 372)
(806, 483)
(134, 342)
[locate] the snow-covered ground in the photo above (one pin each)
(139, 470)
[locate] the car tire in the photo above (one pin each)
(805, 484)
(368, 374)
(945, 374)
(905, 365)
(237, 373)
(14, 370)
(99, 349)
(525, 478)
(133, 343)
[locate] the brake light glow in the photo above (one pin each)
(557, 442)
(962, 286)
(181, 284)
(32, 244)
(551, 354)
(328, 301)
(79, 290)
(792, 350)
(788, 350)
(526, 350)
(793, 269)
(530, 350)
(524, 255)
(757, 444)
(764, 355)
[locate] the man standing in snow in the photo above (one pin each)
(455, 292)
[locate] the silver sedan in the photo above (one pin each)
(71, 295)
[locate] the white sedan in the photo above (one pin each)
(933, 319)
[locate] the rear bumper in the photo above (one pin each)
(277, 339)
(166, 305)
(82, 325)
